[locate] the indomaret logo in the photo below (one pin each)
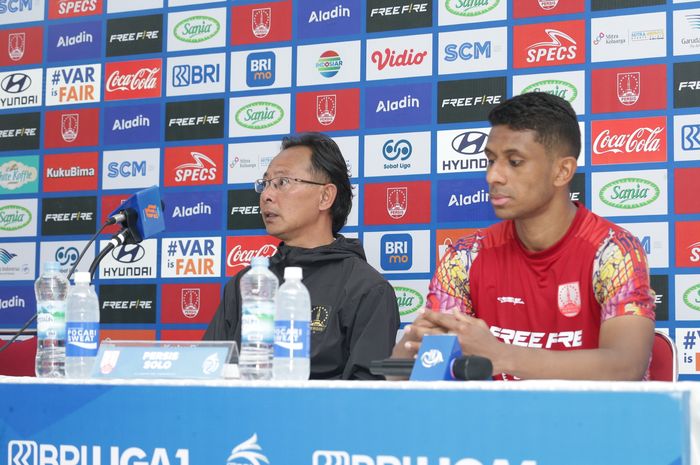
(30, 452)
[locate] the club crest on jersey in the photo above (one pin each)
(325, 109)
(16, 45)
(628, 88)
(569, 299)
(70, 123)
(262, 21)
(319, 318)
(189, 302)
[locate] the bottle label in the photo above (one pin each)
(291, 339)
(82, 339)
(258, 325)
(51, 319)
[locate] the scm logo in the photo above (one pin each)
(26, 452)
(126, 169)
(14, 6)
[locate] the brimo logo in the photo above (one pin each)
(341, 457)
(259, 115)
(409, 300)
(30, 452)
(562, 89)
(470, 7)
(14, 217)
(196, 29)
(629, 193)
(691, 297)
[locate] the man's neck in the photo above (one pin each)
(543, 231)
(311, 241)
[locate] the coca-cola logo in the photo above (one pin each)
(392, 59)
(240, 257)
(143, 79)
(643, 139)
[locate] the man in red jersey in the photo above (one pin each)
(553, 291)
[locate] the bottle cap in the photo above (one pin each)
(260, 261)
(82, 277)
(52, 266)
(293, 272)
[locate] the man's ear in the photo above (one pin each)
(565, 170)
(328, 194)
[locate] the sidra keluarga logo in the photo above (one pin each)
(629, 193)
(248, 452)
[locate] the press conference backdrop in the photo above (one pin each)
(99, 98)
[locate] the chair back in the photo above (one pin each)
(664, 359)
(18, 358)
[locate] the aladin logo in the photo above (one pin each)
(247, 453)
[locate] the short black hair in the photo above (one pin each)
(551, 117)
(328, 161)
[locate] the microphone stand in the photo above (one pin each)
(72, 270)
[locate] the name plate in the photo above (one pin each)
(163, 359)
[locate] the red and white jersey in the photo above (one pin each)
(554, 299)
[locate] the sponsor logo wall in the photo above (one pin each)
(101, 98)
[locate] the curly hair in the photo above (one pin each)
(551, 117)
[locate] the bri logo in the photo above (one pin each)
(396, 252)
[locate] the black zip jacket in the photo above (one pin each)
(354, 314)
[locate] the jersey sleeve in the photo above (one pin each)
(450, 286)
(621, 277)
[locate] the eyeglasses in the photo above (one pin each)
(280, 184)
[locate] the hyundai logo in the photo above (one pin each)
(128, 253)
(16, 83)
(470, 143)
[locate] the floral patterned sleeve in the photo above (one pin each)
(449, 287)
(621, 277)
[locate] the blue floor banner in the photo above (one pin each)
(351, 424)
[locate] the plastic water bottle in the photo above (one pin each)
(258, 290)
(51, 289)
(82, 327)
(292, 336)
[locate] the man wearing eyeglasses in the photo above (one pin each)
(305, 199)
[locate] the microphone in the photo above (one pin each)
(471, 368)
(464, 368)
(141, 214)
(440, 358)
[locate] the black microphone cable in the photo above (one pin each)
(14, 337)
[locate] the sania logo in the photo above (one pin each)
(562, 89)
(259, 115)
(470, 7)
(197, 29)
(629, 193)
(247, 453)
(409, 300)
(691, 297)
(14, 217)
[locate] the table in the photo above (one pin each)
(139, 422)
